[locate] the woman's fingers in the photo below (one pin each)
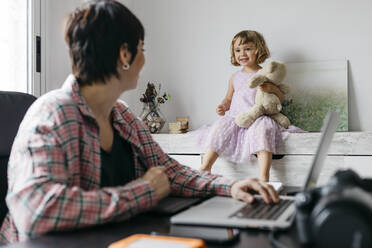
(244, 196)
(271, 191)
(257, 186)
(240, 188)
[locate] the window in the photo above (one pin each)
(13, 45)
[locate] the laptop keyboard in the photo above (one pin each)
(260, 210)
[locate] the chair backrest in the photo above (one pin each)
(13, 106)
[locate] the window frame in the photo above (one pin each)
(36, 80)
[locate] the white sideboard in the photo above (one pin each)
(348, 150)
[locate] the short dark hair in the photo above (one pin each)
(95, 34)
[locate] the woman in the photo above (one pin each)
(81, 158)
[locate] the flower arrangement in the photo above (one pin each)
(151, 114)
(151, 95)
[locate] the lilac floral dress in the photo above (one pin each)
(239, 144)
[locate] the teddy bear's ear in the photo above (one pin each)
(272, 66)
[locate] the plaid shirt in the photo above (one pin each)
(54, 169)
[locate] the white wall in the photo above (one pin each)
(57, 61)
(187, 47)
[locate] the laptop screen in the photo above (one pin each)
(329, 128)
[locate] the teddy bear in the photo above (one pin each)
(266, 103)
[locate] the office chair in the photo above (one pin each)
(13, 106)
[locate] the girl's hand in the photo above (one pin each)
(221, 109)
(240, 188)
(269, 87)
(272, 89)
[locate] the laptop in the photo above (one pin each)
(174, 204)
(228, 212)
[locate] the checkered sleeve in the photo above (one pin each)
(40, 198)
(188, 182)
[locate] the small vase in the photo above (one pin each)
(152, 117)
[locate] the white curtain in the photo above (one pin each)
(13, 45)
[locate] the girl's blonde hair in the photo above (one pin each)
(262, 52)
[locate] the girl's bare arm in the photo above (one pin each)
(230, 91)
(226, 102)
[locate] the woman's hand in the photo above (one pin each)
(159, 180)
(240, 188)
(272, 89)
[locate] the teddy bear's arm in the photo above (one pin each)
(257, 80)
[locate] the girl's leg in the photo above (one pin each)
(209, 158)
(264, 163)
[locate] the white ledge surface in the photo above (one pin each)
(343, 143)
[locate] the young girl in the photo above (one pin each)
(224, 137)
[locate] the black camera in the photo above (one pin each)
(338, 214)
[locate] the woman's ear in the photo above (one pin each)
(124, 56)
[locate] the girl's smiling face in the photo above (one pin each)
(245, 53)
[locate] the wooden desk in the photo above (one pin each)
(102, 236)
